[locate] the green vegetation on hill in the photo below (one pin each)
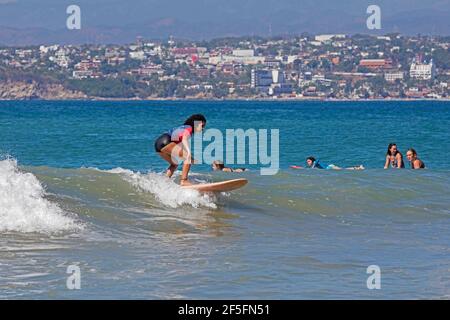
(105, 88)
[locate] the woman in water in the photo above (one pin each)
(394, 158)
(416, 163)
(219, 166)
(312, 163)
(175, 144)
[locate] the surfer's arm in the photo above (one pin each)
(388, 160)
(187, 149)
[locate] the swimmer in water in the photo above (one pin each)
(312, 163)
(219, 166)
(394, 158)
(174, 144)
(416, 163)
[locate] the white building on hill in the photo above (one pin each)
(422, 71)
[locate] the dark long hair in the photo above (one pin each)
(388, 153)
(195, 118)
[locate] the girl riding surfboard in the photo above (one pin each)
(174, 144)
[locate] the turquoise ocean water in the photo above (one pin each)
(80, 184)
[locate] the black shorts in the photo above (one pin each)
(162, 141)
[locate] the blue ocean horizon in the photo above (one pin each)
(306, 128)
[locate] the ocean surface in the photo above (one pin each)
(80, 184)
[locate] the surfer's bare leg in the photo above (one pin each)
(172, 166)
(166, 154)
(184, 174)
(173, 153)
(187, 162)
(334, 167)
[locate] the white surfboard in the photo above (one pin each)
(222, 186)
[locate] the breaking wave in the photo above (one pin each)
(165, 190)
(24, 206)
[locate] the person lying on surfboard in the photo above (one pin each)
(174, 144)
(312, 163)
(219, 166)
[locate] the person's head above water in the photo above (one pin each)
(411, 154)
(392, 149)
(218, 165)
(197, 122)
(413, 158)
(310, 161)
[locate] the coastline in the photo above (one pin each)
(232, 99)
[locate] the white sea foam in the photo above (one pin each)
(23, 206)
(165, 190)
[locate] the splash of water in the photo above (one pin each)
(24, 207)
(165, 190)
